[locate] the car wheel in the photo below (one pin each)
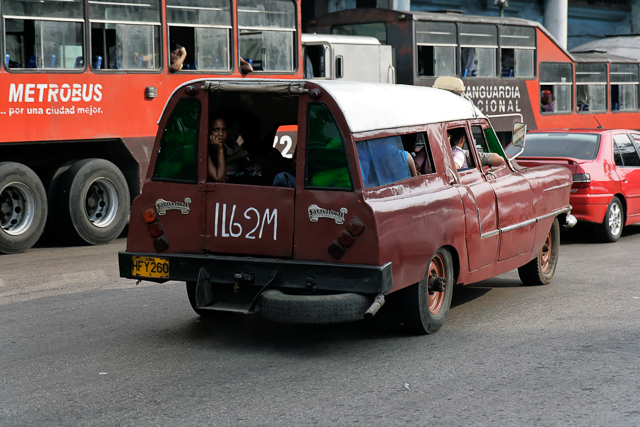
(611, 227)
(540, 270)
(92, 202)
(23, 208)
(427, 302)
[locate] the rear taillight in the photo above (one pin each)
(345, 238)
(155, 229)
(581, 180)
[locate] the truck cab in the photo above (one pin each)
(341, 57)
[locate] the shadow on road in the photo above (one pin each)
(584, 233)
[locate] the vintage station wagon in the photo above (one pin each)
(351, 225)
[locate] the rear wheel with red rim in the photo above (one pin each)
(540, 270)
(427, 302)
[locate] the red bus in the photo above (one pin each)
(83, 83)
(507, 65)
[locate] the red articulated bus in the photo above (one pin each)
(83, 83)
(508, 66)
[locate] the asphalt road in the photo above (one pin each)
(82, 347)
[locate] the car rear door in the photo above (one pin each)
(629, 172)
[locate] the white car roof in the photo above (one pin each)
(376, 106)
(365, 106)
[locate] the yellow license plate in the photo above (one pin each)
(146, 266)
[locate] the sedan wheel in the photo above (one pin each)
(611, 227)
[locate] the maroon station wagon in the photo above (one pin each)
(349, 226)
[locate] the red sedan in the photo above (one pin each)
(606, 172)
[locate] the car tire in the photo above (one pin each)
(23, 208)
(540, 270)
(425, 312)
(279, 307)
(611, 227)
(91, 204)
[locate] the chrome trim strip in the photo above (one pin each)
(489, 234)
(537, 219)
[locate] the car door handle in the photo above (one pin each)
(490, 173)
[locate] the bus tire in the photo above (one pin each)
(23, 208)
(425, 311)
(92, 202)
(540, 270)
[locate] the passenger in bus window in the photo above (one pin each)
(177, 56)
(245, 66)
(217, 171)
(546, 101)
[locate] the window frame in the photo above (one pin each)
(47, 70)
(588, 84)
(636, 83)
(230, 39)
(345, 142)
(418, 45)
(197, 148)
(295, 31)
(554, 84)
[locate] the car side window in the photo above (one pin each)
(382, 161)
(326, 156)
(177, 156)
(627, 150)
(454, 134)
(478, 136)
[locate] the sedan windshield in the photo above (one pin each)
(575, 145)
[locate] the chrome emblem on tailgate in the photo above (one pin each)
(163, 206)
(316, 212)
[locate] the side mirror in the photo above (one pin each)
(517, 138)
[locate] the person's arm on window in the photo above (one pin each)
(177, 64)
(219, 173)
(490, 159)
(412, 165)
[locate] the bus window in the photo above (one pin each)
(203, 28)
(591, 87)
(375, 29)
(125, 35)
(556, 80)
(46, 34)
(517, 48)
(478, 44)
(624, 86)
(436, 42)
(267, 33)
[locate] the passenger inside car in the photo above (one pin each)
(216, 163)
(457, 139)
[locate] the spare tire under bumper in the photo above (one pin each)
(312, 309)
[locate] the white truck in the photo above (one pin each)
(340, 57)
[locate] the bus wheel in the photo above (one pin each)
(427, 302)
(540, 270)
(92, 202)
(23, 208)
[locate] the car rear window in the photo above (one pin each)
(575, 145)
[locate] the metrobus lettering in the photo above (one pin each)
(30, 92)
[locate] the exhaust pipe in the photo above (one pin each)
(377, 303)
(569, 221)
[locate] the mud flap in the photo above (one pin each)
(204, 293)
